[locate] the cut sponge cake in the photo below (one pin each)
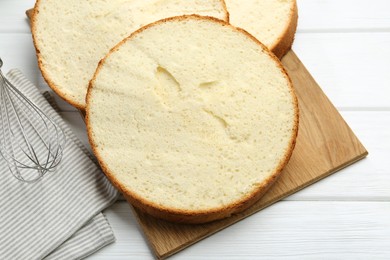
(273, 22)
(71, 36)
(191, 118)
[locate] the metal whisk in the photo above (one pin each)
(31, 143)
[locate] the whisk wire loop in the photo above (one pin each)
(31, 143)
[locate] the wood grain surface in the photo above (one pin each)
(325, 145)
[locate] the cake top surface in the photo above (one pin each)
(191, 114)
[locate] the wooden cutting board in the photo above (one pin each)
(325, 145)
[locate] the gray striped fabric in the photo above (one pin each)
(93, 236)
(59, 216)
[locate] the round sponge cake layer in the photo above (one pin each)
(191, 118)
(71, 36)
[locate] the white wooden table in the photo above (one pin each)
(345, 44)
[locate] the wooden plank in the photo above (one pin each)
(286, 230)
(329, 58)
(130, 243)
(12, 16)
(342, 16)
(367, 180)
(325, 144)
(304, 230)
(17, 51)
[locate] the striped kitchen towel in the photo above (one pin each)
(59, 217)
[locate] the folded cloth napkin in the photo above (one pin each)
(59, 216)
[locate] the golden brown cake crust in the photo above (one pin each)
(284, 44)
(45, 75)
(186, 216)
(227, 15)
(48, 80)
